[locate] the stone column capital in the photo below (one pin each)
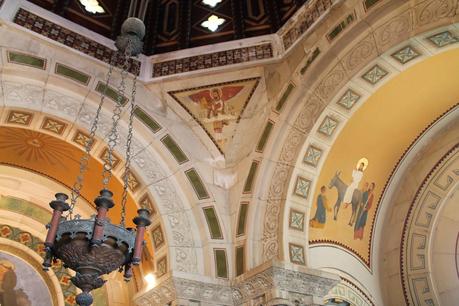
(273, 283)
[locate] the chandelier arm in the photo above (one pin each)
(128, 150)
(84, 160)
(113, 136)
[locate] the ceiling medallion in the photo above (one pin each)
(95, 247)
(213, 22)
(211, 3)
(92, 6)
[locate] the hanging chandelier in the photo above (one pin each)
(95, 247)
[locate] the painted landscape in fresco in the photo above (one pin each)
(217, 107)
(344, 205)
(20, 284)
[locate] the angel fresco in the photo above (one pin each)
(349, 194)
(214, 103)
(214, 100)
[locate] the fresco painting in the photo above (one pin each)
(218, 107)
(344, 205)
(20, 284)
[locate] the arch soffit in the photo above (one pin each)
(320, 97)
(418, 233)
(414, 203)
(61, 101)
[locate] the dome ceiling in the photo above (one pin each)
(174, 25)
(44, 154)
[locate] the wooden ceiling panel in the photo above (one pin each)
(174, 24)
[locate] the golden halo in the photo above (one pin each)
(364, 161)
(7, 264)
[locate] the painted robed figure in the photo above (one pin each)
(322, 207)
(368, 196)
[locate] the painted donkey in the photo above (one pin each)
(341, 188)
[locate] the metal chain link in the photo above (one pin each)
(128, 150)
(113, 134)
(78, 185)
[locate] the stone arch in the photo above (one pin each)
(426, 173)
(416, 265)
(166, 179)
(349, 292)
(317, 101)
(62, 107)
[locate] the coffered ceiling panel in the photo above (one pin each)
(174, 24)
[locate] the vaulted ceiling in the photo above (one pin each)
(236, 186)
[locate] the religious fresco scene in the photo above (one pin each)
(218, 108)
(367, 169)
(229, 152)
(20, 283)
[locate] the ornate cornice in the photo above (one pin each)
(71, 39)
(245, 51)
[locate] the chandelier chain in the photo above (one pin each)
(113, 136)
(84, 160)
(128, 150)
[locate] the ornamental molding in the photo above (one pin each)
(245, 51)
(270, 282)
(416, 18)
(179, 232)
(415, 261)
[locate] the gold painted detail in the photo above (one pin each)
(19, 117)
(53, 126)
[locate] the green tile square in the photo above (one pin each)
(242, 219)
(302, 187)
(405, 55)
(296, 254)
(340, 27)
(196, 182)
(296, 220)
(221, 267)
(328, 126)
(264, 137)
(312, 156)
(349, 99)
(240, 262)
(174, 149)
(250, 178)
(26, 60)
(443, 39)
(111, 93)
(212, 223)
(146, 119)
(375, 74)
(72, 74)
(310, 60)
(284, 97)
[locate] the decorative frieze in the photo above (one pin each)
(69, 38)
(212, 60)
(303, 21)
